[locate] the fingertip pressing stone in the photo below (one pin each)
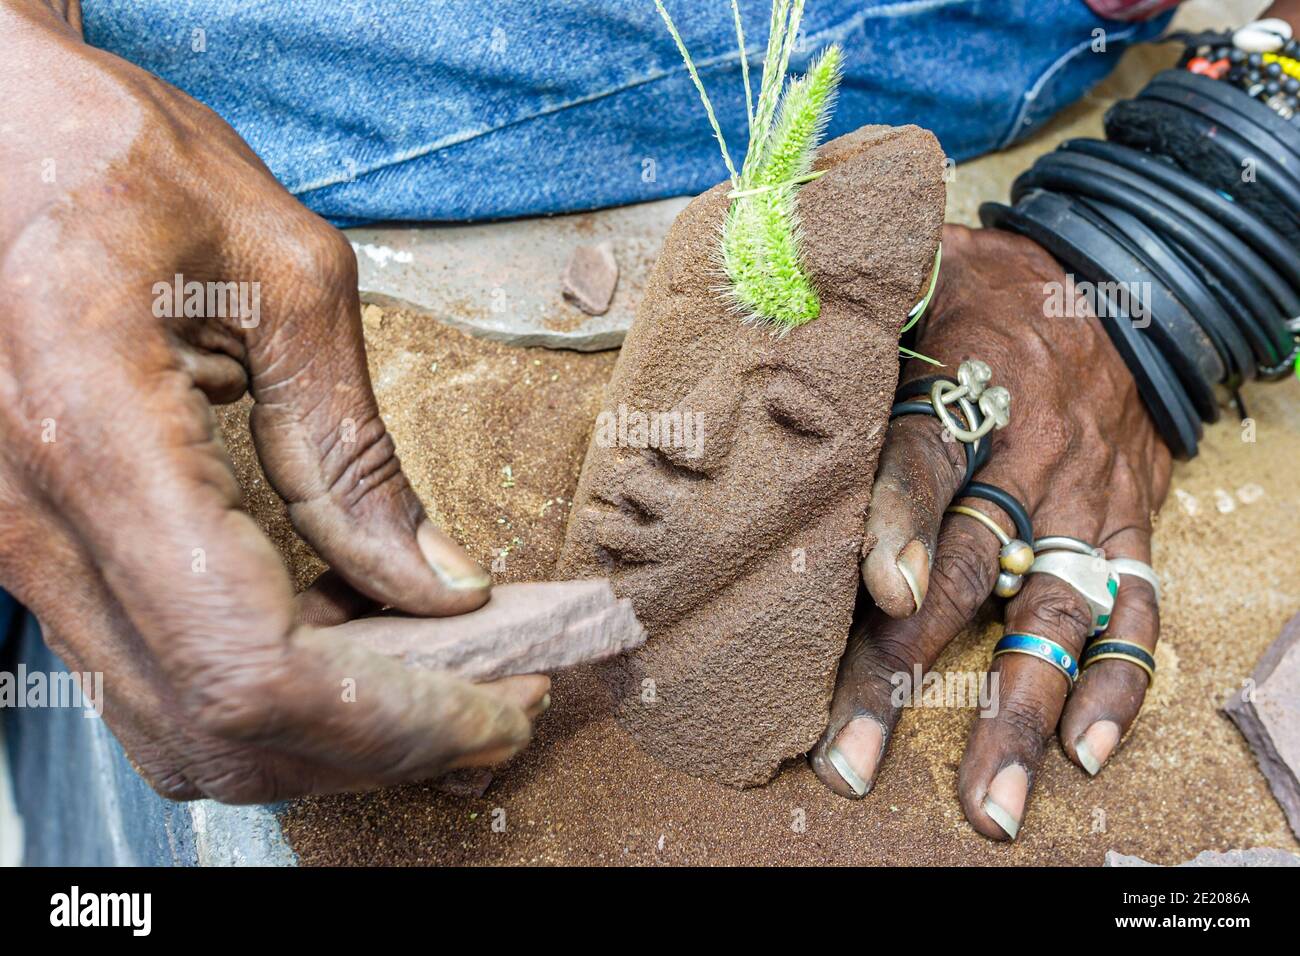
(1267, 712)
(590, 278)
(528, 628)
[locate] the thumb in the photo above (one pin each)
(326, 451)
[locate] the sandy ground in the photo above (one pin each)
(493, 439)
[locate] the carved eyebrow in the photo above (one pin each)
(769, 369)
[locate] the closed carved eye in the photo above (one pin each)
(797, 408)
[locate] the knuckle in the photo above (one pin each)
(360, 460)
(164, 774)
(323, 255)
(1055, 611)
(961, 579)
(881, 660)
(170, 783)
(1109, 688)
(1026, 719)
(237, 700)
(234, 779)
(1141, 613)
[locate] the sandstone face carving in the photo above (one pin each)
(727, 483)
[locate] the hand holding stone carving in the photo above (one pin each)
(1083, 457)
(123, 530)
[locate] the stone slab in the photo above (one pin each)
(1259, 856)
(1267, 712)
(504, 280)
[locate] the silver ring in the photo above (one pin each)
(951, 426)
(1063, 542)
(1137, 569)
(1092, 577)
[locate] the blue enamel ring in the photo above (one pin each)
(1043, 649)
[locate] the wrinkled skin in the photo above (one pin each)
(120, 511)
(1082, 455)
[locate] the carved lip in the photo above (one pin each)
(625, 535)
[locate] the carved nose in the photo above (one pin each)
(708, 426)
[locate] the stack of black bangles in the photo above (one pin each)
(1186, 224)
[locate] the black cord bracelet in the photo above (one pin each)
(1262, 238)
(1007, 502)
(1217, 157)
(925, 408)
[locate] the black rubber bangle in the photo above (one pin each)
(1235, 99)
(920, 386)
(1259, 270)
(1264, 346)
(1252, 230)
(1047, 219)
(1200, 302)
(1178, 335)
(1215, 156)
(1007, 502)
(925, 408)
(1186, 232)
(1268, 169)
(1172, 330)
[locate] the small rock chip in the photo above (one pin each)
(590, 278)
(466, 782)
(1267, 712)
(372, 317)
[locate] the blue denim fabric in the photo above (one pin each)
(460, 109)
(83, 804)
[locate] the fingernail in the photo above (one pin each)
(1096, 744)
(1005, 801)
(452, 565)
(855, 753)
(914, 566)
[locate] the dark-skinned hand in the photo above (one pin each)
(122, 528)
(1083, 456)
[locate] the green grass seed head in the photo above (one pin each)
(805, 110)
(762, 241)
(761, 237)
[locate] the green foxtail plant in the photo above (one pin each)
(761, 237)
